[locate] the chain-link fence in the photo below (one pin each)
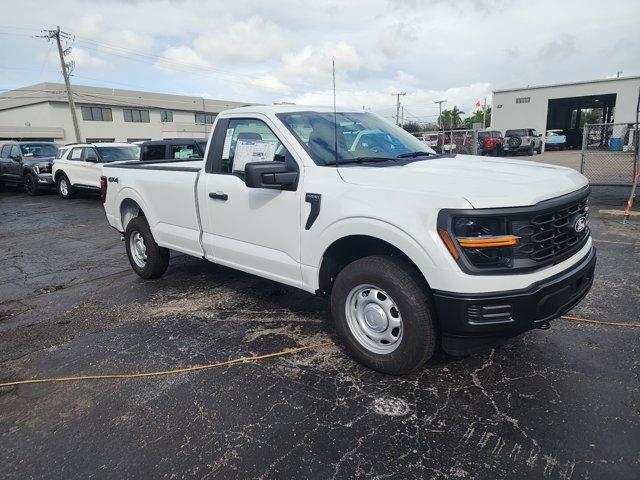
(608, 153)
(464, 142)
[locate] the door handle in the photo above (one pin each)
(219, 196)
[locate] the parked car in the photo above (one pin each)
(78, 167)
(173, 148)
(27, 163)
(555, 140)
(415, 249)
(522, 140)
(490, 142)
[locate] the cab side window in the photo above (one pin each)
(75, 154)
(15, 152)
(152, 152)
(251, 140)
(184, 151)
(4, 153)
(90, 155)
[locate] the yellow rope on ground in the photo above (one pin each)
(255, 358)
(599, 322)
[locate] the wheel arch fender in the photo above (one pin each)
(367, 230)
(129, 204)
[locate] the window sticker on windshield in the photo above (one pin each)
(183, 154)
(253, 151)
(226, 149)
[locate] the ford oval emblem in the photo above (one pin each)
(580, 224)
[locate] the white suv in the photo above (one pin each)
(79, 166)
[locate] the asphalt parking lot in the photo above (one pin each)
(562, 403)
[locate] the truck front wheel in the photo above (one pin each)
(146, 257)
(384, 314)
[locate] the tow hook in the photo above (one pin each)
(544, 326)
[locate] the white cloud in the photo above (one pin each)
(254, 39)
(180, 59)
(398, 38)
(269, 83)
(314, 63)
(88, 60)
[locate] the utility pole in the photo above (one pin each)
(402, 115)
(67, 67)
(484, 113)
(398, 95)
(440, 125)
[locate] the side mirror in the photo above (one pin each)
(91, 159)
(273, 175)
(16, 158)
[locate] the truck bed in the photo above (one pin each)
(165, 192)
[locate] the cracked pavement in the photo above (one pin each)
(558, 404)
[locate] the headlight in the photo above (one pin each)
(484, 242)
(36, 169)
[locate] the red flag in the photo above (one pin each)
(478, 103)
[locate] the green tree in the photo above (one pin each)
(451, 118)
(412, 126)
(477, 118)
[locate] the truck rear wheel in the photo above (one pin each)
(384, 314)
(146, 257)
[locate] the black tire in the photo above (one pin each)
(69, 188)
(530, 150)
(539, 150)
(1, 186)
(31, 184)
(408, 290)
(157, 258)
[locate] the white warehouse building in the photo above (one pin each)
(41, 112)
(566, 106)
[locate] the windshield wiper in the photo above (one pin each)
(365, 160)
(416, 154)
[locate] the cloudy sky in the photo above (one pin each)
(269, 51)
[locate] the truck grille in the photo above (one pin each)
(551, 236)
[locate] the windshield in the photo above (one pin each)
(515, 133)
(359, 136)
(39, 149)
(115, 154)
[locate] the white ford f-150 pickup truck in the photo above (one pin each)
(415, 250)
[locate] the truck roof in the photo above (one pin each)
(273, 109)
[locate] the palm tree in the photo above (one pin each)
(451, 118)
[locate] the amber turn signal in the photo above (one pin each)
(449, 243)
(488, 241)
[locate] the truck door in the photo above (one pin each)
(253, 229)
(14, 165)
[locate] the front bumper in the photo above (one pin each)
(45, 179)
(471, 322)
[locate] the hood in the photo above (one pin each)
(484, 182)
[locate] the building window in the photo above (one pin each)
(132, 140)
(100, 140)
(133, 115)
(206, 118)
(96, 114)
(523, 99)
(166, 116)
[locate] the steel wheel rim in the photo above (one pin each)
(63, 187)
(374, 319)
(138, 249)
